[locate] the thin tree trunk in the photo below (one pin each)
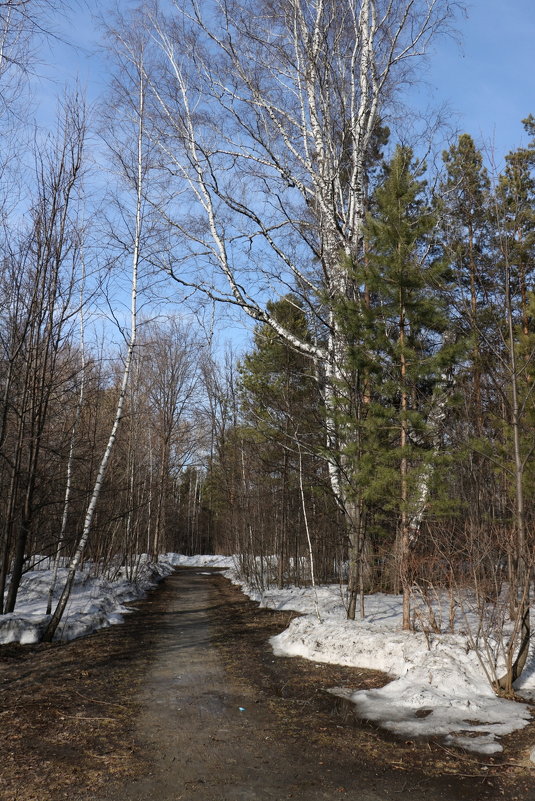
(404, 545)
(70, 459)
(523, 566)
(88, 522)
(307, 529)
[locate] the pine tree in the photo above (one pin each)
(514, 374)
(407, 277)
(514, 273)
(464, 218)
(282, 427)
(516, 194)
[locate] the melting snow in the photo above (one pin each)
(438, 688)
(95, 602)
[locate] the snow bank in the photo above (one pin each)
(439, 686)
(440, 689)
(206, 560)
(95, 601)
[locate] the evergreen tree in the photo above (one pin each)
(279, 387)
(516, 225)
(407, 278)
(282, 428)
(464, 217)
(514, 273)
(514, 374)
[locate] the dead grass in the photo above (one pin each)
(68, 712)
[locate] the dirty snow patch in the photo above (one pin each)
(439, 688)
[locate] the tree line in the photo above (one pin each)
(442, 407)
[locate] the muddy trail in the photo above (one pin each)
(186, 701)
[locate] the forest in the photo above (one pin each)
(376, 429)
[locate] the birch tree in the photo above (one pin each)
(134, 169)
(268, 116)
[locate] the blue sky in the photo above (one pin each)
(71, 54)
(487, 78)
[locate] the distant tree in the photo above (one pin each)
(169, 378)
(283, 418)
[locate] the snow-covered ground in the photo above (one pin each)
(94, 603)
(439, 686)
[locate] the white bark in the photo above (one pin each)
(434, 424)
(307, 529)
(266, 120)
(90, 512)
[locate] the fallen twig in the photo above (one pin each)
(96, 701)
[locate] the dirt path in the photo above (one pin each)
(186, 701)
(210, 739)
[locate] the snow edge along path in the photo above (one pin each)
(96, 601)
(436, 691)
(439, 687)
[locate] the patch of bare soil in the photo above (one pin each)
(70, 714)
(67, 712)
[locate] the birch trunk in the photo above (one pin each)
(266, 122)
(55, 620)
